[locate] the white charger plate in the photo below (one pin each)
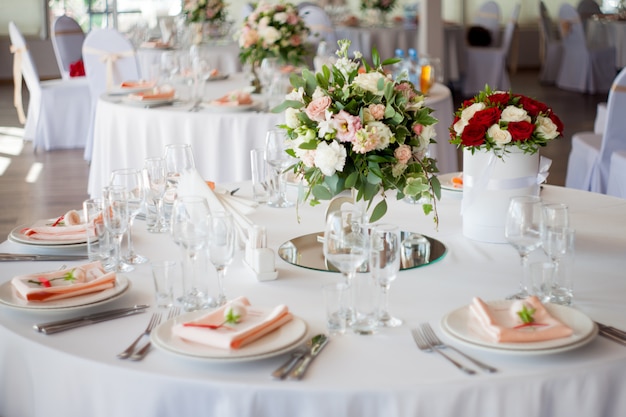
(456, 324)
(282, 340)
(10, 298)
(447, 184)
(17, 236)
(256, 104)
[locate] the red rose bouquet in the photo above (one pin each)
(495, 120)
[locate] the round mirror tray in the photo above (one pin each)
(308, 251)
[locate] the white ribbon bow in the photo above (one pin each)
(17, 82)
(109, 59)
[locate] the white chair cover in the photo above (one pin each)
(67, 42)
(488, 65)
(582, 69)
(58, 110)
(590, 158)
(319, 22)
(616, 185)
(552, 49)
(109, 59)
(488, 16)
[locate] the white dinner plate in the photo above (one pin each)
(447, 184)
(217, 77)
(10, 298)
(456, 324)
(256, 104)
(17, 236)
(144, 103)
(281, 340)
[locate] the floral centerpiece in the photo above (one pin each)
(353, 127)
(204, 10)
(273, 30)
(496, 121)
(377, 10)
(500, 134)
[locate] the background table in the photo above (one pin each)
(76, 373)
(125, 135)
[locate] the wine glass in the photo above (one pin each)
(276, 156)
(189, 230)
(557, 240)
(116, 218)
(384, 265)
(221, 247)
(131, 180)
(345, 243)
(178, 160)
(268, 72)
(523, 231)
(155, 179)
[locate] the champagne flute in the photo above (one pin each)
(384, 265)
(221, 247)
(523, 231)
(155, 180)
(277, 157)
(116, 222)
(178, 160)
(189, 230)
(131, 180)
(557, 240)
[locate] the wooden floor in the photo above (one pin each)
(61, 183)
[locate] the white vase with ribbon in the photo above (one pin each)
(489, 182)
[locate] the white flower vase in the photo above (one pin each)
(489, 183)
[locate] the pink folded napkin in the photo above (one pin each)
(138, 84)
(234, 98)
(211, 330)
(503, 325)
(153, 94)
(68, 227)
(49, 286)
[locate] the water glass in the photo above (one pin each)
(336, 300)
(164, 274)
(116, 222)
(132, 181)
(365, 301)
(384, 265)
(559, 244)
(261, 176)
(541, 278)
(276, 145)
(98, 247)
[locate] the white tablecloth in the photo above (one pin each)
(76, 373)
(124, 136)
(604, 32)
(388, 39)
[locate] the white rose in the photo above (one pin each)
(459, 126)
(296, 95)
(546, 128)
(469, 112)
(317, 93)
(428, 133)
(500, 137)
(291, 118)
(264, 22)
(330, 158)
(369, 81)
(270, 35)
(280, 17)
(514, 114)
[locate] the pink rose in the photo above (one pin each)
(248, 37)
(346, 126)
(403, 153)
(317, 108)
(377, 111)
(417, 129)
(295, 40)
(292, 18)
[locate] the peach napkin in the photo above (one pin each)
(257, 323)
(234, 98)
(163, 93)
(49, 286)
(137, 84)
(68, 227)
(503, 325)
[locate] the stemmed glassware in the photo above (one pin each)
(178, 160)
(523, 231)
(131, 180)
(189, 230)
(268, 71)
(221, 233)
(558, 241)
(345, 242)
(277, 157)
(116, 218)
(384, 265)
(155, 179)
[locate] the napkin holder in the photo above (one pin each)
(258, 257)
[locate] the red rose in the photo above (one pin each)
(77, 69)
(500, 99)
(532, 107)
(555, 119)
(486, 117)
(520, 131)
(467, 103)
(473, 135)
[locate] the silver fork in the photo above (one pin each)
(424, 346)
(154, 320)
(141, 353)
(433, 339)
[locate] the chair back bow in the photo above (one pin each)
(17, 81)
(109, 59)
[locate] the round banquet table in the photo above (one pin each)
(76, 373)
(125, 135)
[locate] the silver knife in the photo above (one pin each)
(614, 330)
(61, 325)
(25, 257)
(296, 355)
(318, 343)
